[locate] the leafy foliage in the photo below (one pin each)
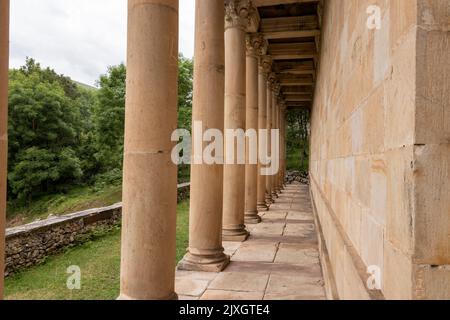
(109, 118)
(63, 134)
(45, 131)
(298, 132)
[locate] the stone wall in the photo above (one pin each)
(30, 244)
(380, 153)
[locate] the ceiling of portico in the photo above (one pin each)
(292, 28)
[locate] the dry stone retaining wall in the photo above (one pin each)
(30, 244)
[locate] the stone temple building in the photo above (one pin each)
(375, 75)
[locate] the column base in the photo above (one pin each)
(262, 207)
(269, 200)
(274, 195)
(123, 297)
(252, 217)
(204, 263)
(235, 234)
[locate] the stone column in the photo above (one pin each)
(276, 186)
(254, 44)
(150, 176)
(283, 145)
(205, 251)
(4, 62)
(265, 64)
(269, 198)
(274, 126)
(236, 21)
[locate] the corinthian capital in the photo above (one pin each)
(271, 79)
(256, 44)
(265, 63)
(238, 14)
(276, 88)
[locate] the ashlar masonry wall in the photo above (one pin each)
(380, 152)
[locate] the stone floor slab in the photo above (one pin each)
(196, 275)
(300, 215)
(259, 252)
(299, 230)
(190, 287)
(231, 247)
(296, 255)
(279, 261)
(240, 281)
(266, 228)
(275, 215)
(231, 295)
(294, 288)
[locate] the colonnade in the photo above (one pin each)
(234, 88)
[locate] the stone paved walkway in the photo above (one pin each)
(280, 260)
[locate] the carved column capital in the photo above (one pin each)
(238, 14)
(271, 79)
(265, 64)
(256, 44)
(276, 87)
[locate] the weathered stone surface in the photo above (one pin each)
(232, 295)
(190, 287)
(268, 228)
(239, 281)
(294, 288)
(29, 244)
(262, 252)
(292, 264)
(297, 255)
(379, 147)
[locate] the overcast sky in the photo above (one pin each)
(80, 38)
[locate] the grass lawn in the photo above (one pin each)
(99, 261)
(294, 162)
(77, 199)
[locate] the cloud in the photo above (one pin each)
(80, 38)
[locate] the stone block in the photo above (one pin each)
(232, 295)
(397, 275)
(294, 288)
(240, 281)
(400, 193)
(432, 211)
(256, 252)
(296, 254)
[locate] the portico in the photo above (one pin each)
(379, 151)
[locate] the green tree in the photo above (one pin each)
(298, 139)
(185, 88)
(109, 114)
(45, 128)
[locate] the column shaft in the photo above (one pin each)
(283, 146)
(274, 126)
(205, 251)
(277, 175)
(235, 113)
(251, 169)
(150, 176)
(281, 172)
(4, 62)
(262, 123)
(269, 199)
